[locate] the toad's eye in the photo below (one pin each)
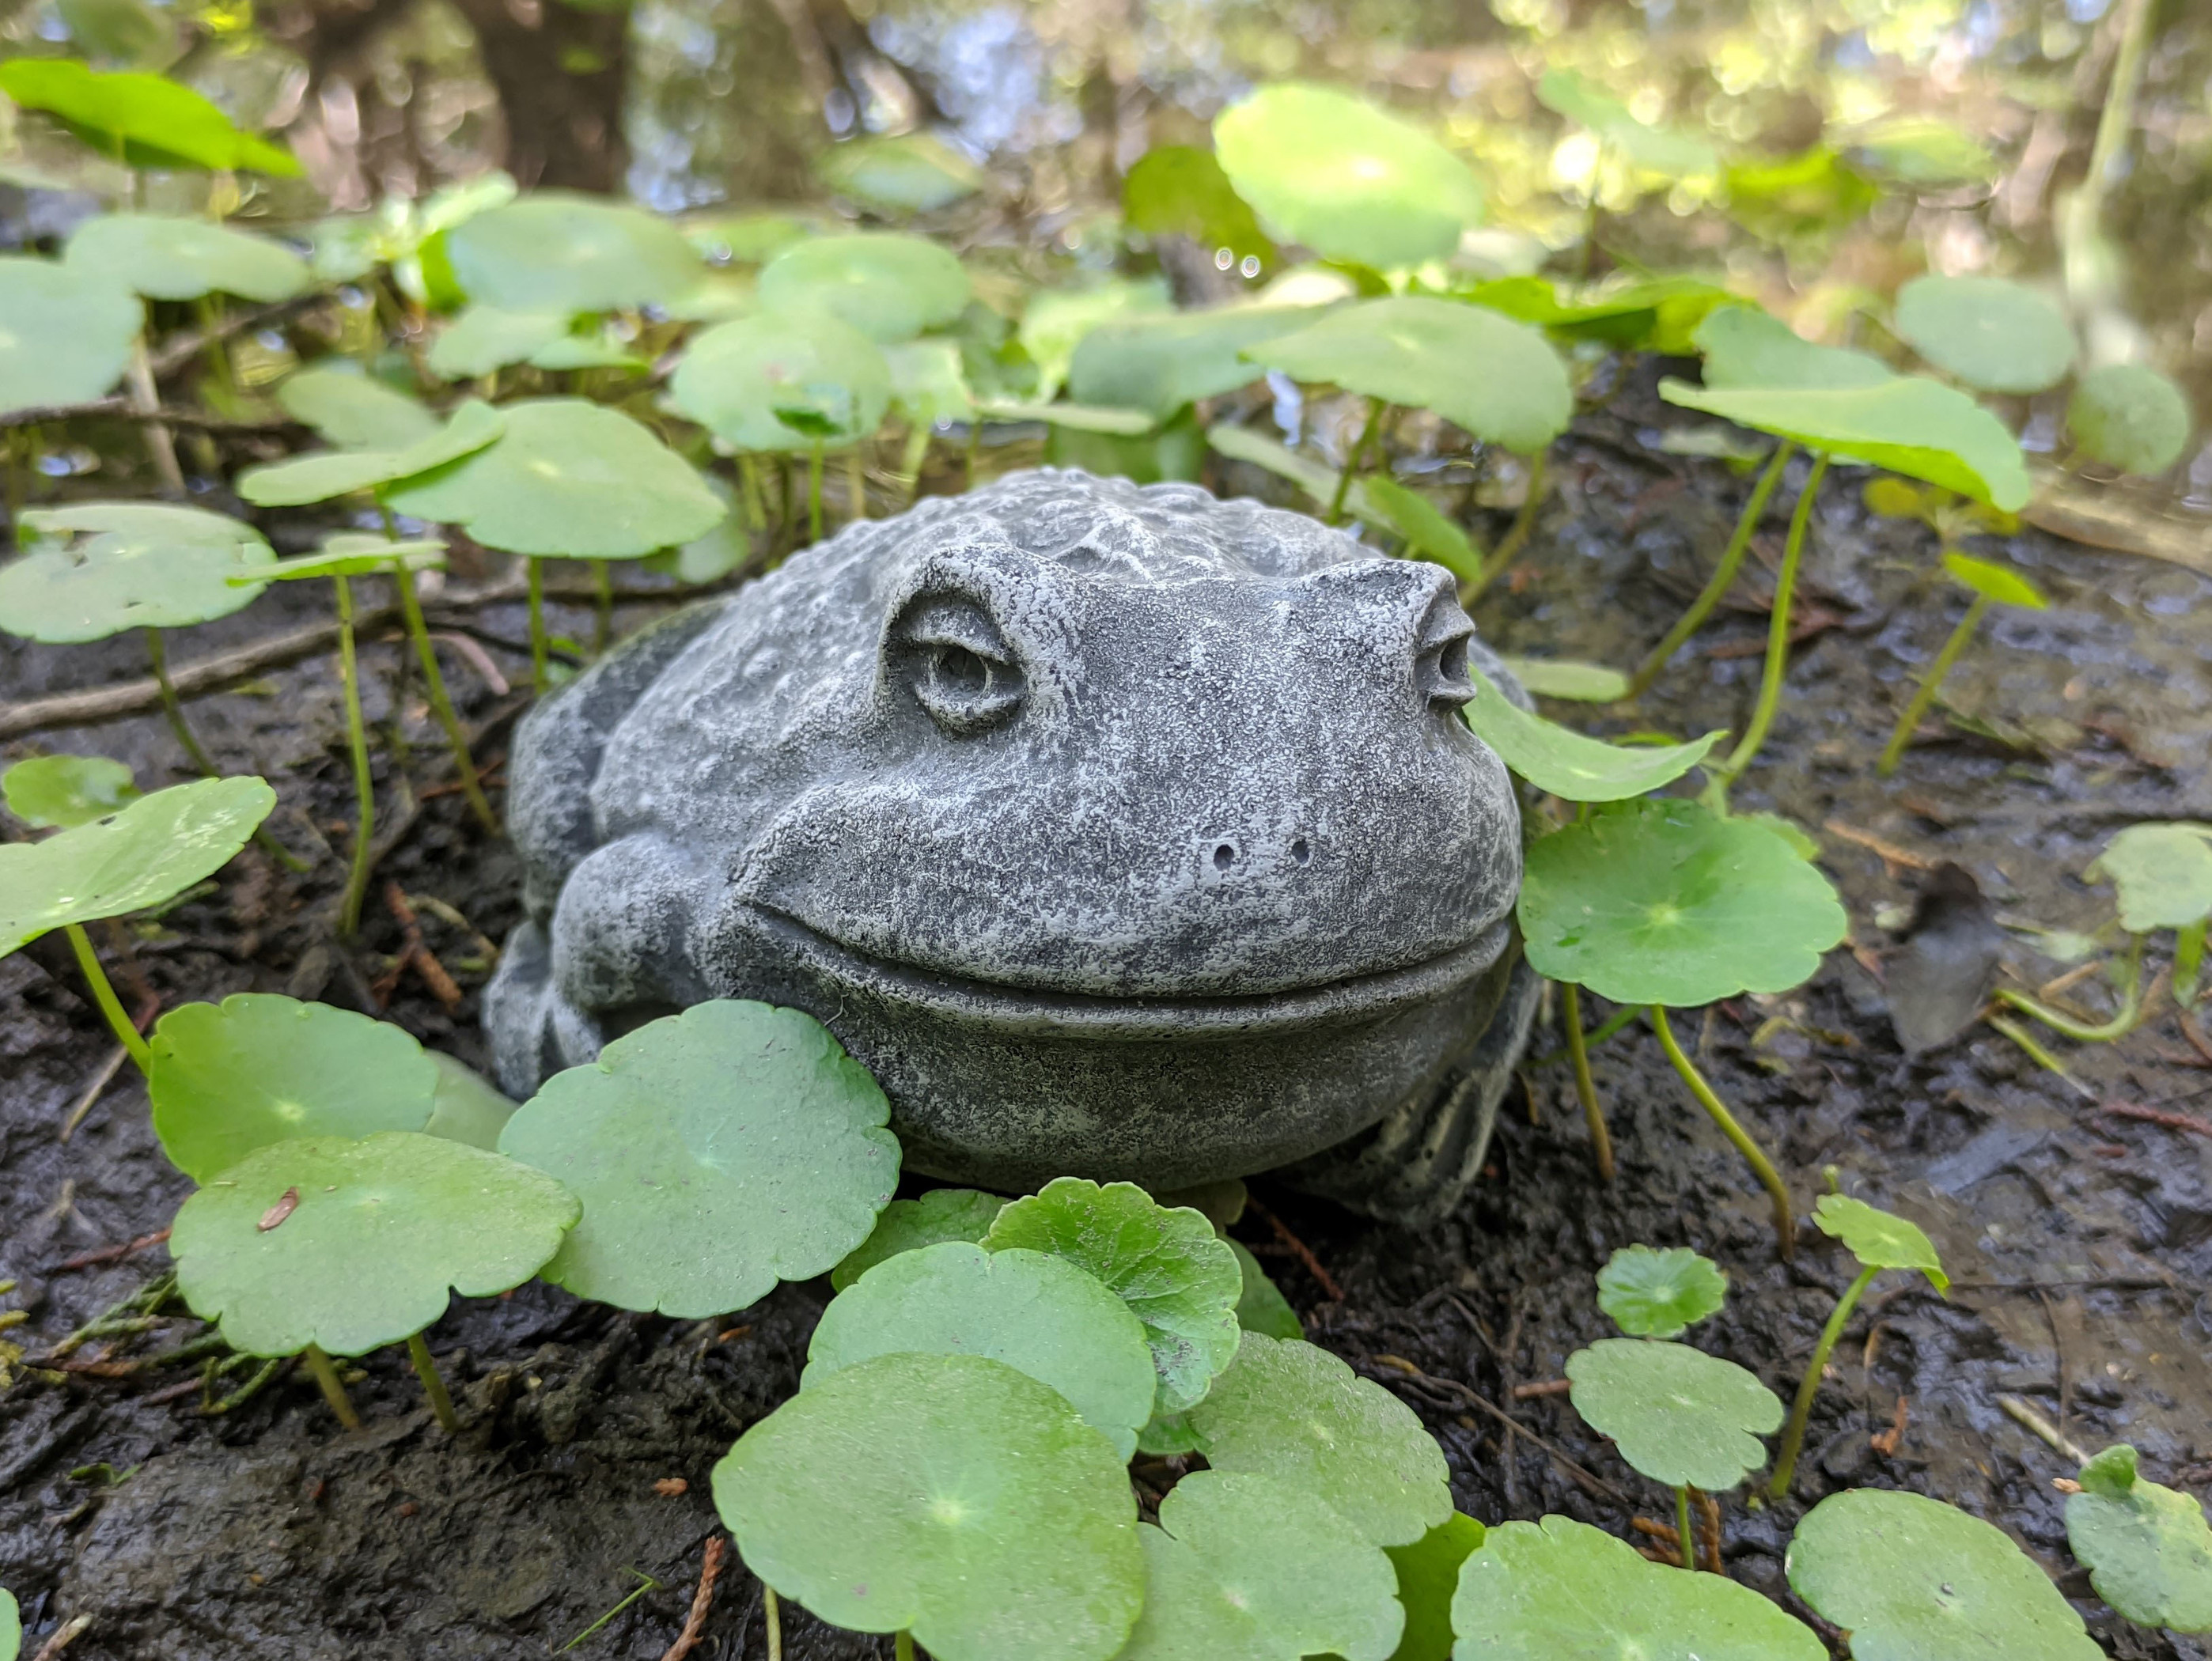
(952, 658)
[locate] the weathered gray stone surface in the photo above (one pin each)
(1121, 832)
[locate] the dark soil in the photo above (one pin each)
(2081, 1242)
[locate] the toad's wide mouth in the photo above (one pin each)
(1042, 1012)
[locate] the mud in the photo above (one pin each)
(2081, 1242)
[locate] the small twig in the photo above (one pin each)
(1298, 1249)
(67, 1633)
(2033, 1423)
(1476, 1399)
(1890, 853)
(2165, 1116)
(413, 951)
(1522, 1393)
(695, 1624)
(1708, 1517)
(1666, 1534)
(1887, 1442)
(108, 1254)
(2195, 1034)
(92, 1091)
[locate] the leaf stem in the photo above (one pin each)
(103, 994)
(540, 650)
(333, 1389)
(2119, 1026)
(1684, 1548)
(433, 1385)
(603, 611)
(1777, 629)
(814, 492)
(1570, 1013)
(1793, 1435)
(1724, 578)
(457, 738)
(364, 782)
(157, 655)
(1524, 521)
(903, 1646)
(2188, 961)
(748, 486)
(1785, 1226)
(856, 485)
(775, 1622)
(1352, 459)
(1924, 695)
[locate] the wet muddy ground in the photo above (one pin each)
(2081, 1241)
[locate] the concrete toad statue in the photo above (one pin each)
(1121, 832)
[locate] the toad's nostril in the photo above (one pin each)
(1225, 857)
(1300, 851)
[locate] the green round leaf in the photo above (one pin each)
(124, 31)
(1030, 1310)
(1996, 582)
(1426, 530)
(1996, 336)
(783, 383)
(1567, 680)
(1878, 1239)
(1658, 902)
(1255, 1568)
(2163, 872)
(717, 1151)
(165, 259)
(929, 383)
(951, 1496)
(1924, 152)
(1166, 1264)
(749, 238)
(1651, 1293)
(1677, 1415)
(11, 1627)
(907, 172)
(1812, 193)
(888, 286)
(359, 553)
(1179, 190)
(151, 851)
(1260, 1306)
(1346, 179)
(92, 571)
(1745, 347)
(1293, 1410)
(1651, 313)
(568, 479)
(2147, 1547)
(1055, 321)
(1159, 364)
(466, 1108)
(341, 472)
(1562, 1591)
(49, 792)
(1428, 1575)
(942, 1213)
(1500, 380)
(482, 338)
(351, 1244)
(158, 123)
(62, 340)
(353, 411)
(259, 1069)
(1909, 424)
(1914, 1579)
(1666, 150)
(554, 251)
(2130, 416)
(1569, 766)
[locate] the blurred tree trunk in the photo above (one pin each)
(560, 72)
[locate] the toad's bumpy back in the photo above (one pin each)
(1122, 832)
